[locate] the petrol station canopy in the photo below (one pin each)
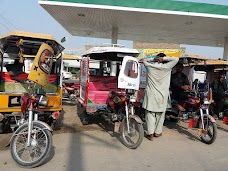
(166, 21)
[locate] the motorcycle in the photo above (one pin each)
(116, 108)
(31, 143)
(120, 112)
(196, 110)
(71, 90)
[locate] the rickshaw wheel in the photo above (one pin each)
(85, 119)
(56, 125)
(2, 126)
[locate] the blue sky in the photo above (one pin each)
(28, 15)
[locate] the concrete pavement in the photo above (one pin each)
(177, 150)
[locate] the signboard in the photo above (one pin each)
(145, 53)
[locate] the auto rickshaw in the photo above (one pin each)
(109, 91)
(17, 52)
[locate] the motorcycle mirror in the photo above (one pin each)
(185, 61)
(64, 39)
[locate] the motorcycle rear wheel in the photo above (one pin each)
(134, 138)
(209, 134)
(39, 149)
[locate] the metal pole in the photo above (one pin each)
(1, 60)
(114, 41)
(225, 53)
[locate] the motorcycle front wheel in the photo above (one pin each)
(209, 133)
(39, 149)
(134, 137)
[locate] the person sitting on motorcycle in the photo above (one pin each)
(179, 84)
(219, 86)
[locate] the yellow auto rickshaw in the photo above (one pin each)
(17, 53)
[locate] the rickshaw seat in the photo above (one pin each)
(99, 88)
(102, 83)
(9, 83)
(98, 97)
(6, 77)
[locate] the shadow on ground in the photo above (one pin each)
(68, 102)
(70, 119)
(221, 126)
(178, 126)
(96, 120)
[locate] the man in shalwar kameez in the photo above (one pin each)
(157, 92)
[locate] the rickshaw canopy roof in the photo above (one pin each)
(31, 43)
(71, 57)
(215, 62)
(193, 56)
(221, 69)
(192, 59)
(211, 64)
(113, 52)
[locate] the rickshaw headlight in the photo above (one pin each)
(43, 100)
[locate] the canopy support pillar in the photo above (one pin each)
(1, 61)
(114, 41)
(225, 53)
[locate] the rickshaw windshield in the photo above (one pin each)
(106, 61)
(131, 69)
